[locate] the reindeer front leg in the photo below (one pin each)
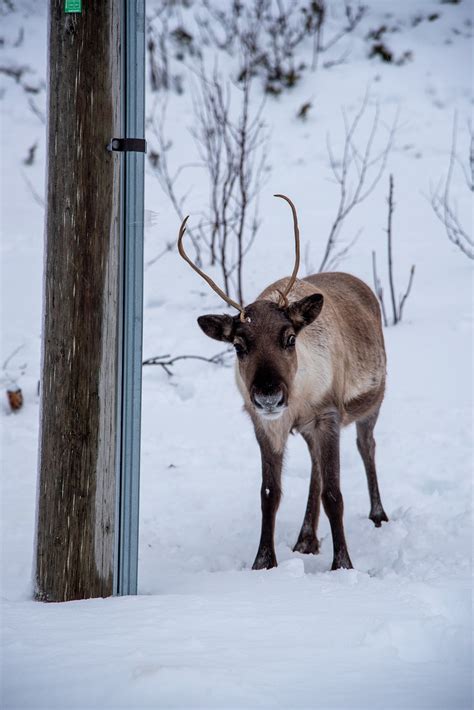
(327, 435)
(270, 494)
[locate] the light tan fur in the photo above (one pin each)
(310, 358)
(341, 360)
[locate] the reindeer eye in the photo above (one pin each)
(239, 349)
(290, 341)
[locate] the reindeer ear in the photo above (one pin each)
(217, 327)
(302, 313)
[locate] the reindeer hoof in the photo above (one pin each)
(342, 561)
(378, 518)
(265, 559)
(307, 545)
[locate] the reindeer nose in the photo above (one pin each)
(269, 401)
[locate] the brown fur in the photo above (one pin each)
(334, 375)
(350, 327)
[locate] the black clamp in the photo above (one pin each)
(128, 145)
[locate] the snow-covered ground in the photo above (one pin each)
(206, 631)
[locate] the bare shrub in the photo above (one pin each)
(158, 162)
(233, 151)
(268, 34)
(352, 14)
(357, 172)
(397, 307)
(232, 148)
(442, 201)
(167, 39)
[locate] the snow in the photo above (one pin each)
(205, 630)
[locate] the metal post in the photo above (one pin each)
(130, 366)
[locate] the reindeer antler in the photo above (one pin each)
(292, 280)
(206, 278)
(283, 294)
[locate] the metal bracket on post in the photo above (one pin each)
(131, 302)
(127, 145)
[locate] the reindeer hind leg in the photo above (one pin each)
(366, 446)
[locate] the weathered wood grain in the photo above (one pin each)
(76, 498)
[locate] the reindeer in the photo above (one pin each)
(310, 359)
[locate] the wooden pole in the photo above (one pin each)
(78, 437)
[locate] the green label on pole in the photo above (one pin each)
(73, 6)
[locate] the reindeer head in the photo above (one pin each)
(264, 336)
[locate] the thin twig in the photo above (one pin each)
(389, 250)
(378, 289)
(168, 248)
(407, 292)
(166, 361)
(36, 196)
(12, 355)
(22, 368)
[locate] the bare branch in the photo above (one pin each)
(39, 199)
(378, 289)
(353, 18)
(168, 248)
(159, 164)
(397, 310)
(468, 168)
(166, 361)
(340, 255)
(15, 72)
(37, 111)
(7, 376)
(234, 153)
(269, 33)
(167, 39)
(407, 292)
(12, 355)
(389, 250)
(357, 173)
(442, 203)
(232, 148)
